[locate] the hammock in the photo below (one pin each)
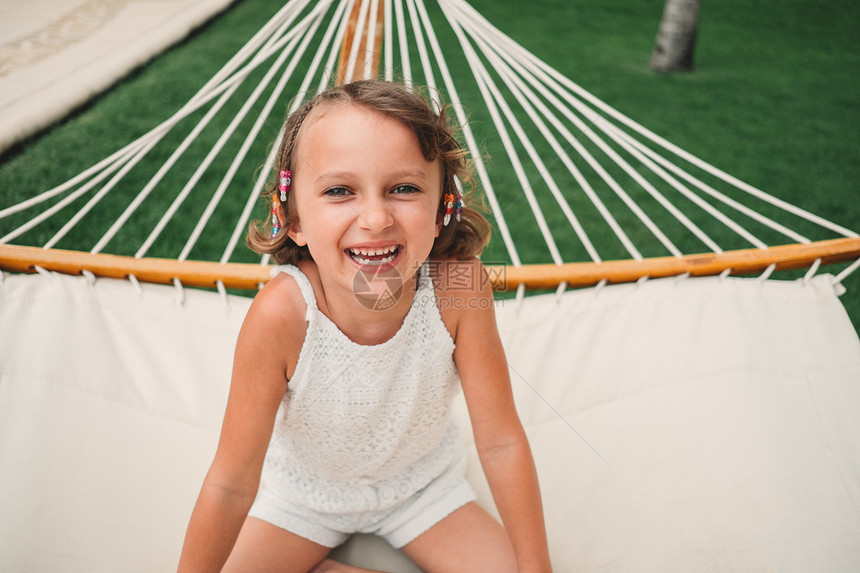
(677, 423)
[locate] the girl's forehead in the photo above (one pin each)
(342, 129)
(346, 113)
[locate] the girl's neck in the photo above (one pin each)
(364, 320)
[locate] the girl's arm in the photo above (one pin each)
(499, 436)
(257, 388)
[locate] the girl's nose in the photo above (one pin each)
(375, 215)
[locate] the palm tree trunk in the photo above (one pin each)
(676, 38)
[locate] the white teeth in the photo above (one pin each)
(373, 252)
(357, 254)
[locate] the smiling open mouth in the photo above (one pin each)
(380, 256)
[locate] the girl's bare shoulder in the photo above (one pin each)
(275, 322)
(463, 291)
(280, 299)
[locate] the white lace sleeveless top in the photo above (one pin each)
(362, 428)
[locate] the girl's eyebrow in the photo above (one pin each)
(410, 173)
(325, 176)
(341, 175)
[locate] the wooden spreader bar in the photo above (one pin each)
(21, 259)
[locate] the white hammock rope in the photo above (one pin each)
(527, 100)
(511, 47)
(388, 39)
(492, 98)
(120, 155)
(577, 174)
(517, 90)
(336, 26)
(96, 199)
(184, 146)
(353, 53)
(592, 161)
(474, 150)
(403, 44)
(423, 57)
(601, 150)
(371, 37)
(274, 98)
(297, 31)
(129, 156)
(715, 194)
(166, 166)
(649, 188)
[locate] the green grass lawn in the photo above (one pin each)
(772, 101)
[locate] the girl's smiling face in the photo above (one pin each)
(366, 197)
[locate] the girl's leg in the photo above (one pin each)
(469, 539)
(263, 547)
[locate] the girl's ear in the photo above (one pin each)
(279, 212)
(295, 233)
(439, 218)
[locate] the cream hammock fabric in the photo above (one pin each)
(678, 423)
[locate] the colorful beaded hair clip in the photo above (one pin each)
(453, 206)
(284, 183)
(283, 187)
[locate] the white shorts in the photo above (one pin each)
(398, 525)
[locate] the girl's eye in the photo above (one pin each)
(402, 189)
(337, 192)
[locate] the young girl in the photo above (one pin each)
(339, 414)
